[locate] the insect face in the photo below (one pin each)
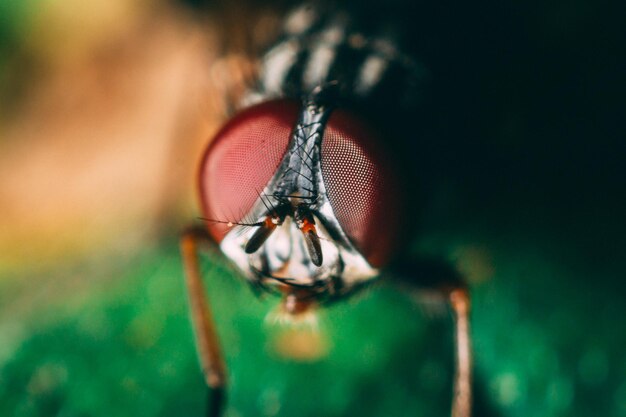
(298, 195)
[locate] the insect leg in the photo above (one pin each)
(442, 283)
(462, 400)
(207, 343)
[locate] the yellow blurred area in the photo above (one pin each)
(101, 153)
(77, 26)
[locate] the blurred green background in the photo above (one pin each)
(104, 109)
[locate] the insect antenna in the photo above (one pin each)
(247, 218)
(230, 223)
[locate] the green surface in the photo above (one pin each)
(124, 346)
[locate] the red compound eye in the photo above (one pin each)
(242, 159)
(361, 184)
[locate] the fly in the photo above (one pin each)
(300, 190)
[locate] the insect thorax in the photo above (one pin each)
(323, 45)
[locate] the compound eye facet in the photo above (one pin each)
(241, 160)
(362, 186)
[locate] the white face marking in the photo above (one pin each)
(296, 266)
(287, 257)
(288, 253)
(276, 65)
(370, 73)
(300, 20)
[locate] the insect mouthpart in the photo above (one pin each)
(297, 301)
(296, 310)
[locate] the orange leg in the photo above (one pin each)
(441, 282)
(462, 399)
(207, 342)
